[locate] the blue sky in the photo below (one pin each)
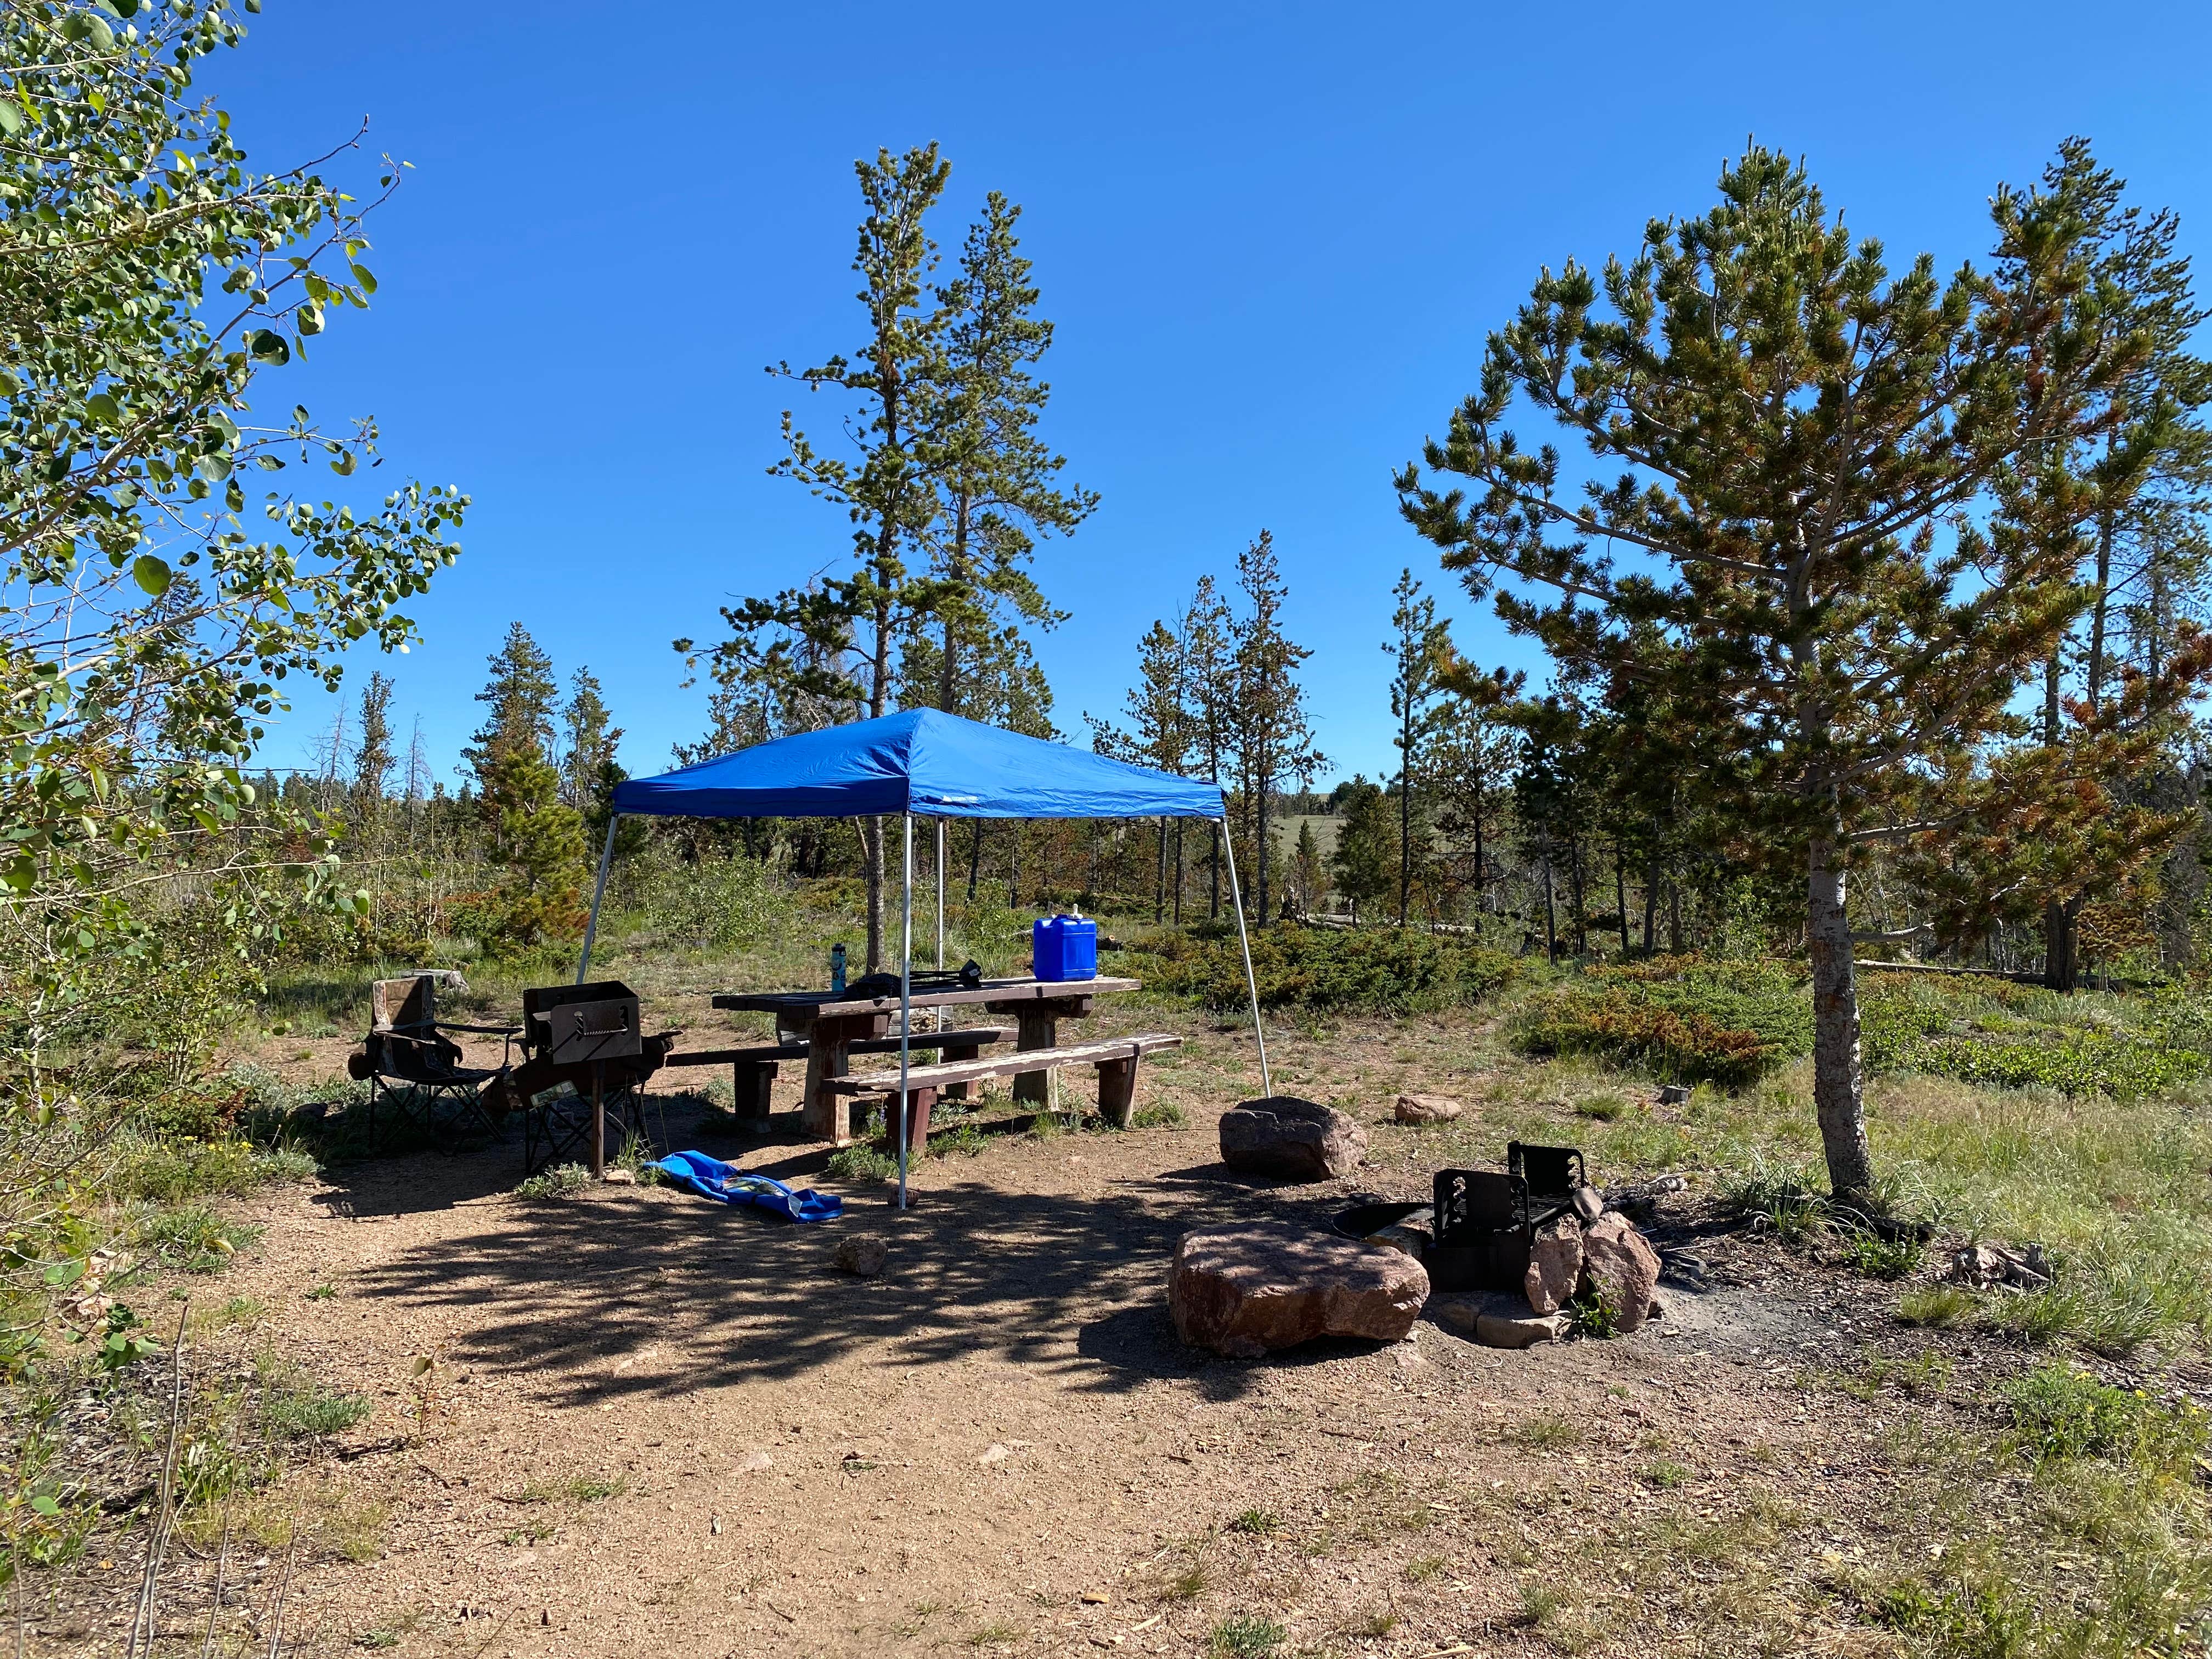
(1273, 239)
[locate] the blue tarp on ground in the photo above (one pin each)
(726, 1183)
(923, 761)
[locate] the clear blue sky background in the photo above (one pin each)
(1272, 238)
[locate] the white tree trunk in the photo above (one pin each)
(1838, 1077)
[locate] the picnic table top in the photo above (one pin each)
(829, 1005)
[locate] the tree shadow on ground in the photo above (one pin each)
(694, 1294)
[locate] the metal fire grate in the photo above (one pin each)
(1486, 1219)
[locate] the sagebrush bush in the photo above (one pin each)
(1384, 969)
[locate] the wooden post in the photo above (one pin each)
(1040, 1029)
(824, 1116)
(952, 1051)
(749, 1082)
(918, 1104)
(1038, 1023)
(1117, 1089)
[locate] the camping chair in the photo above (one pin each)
(413, 1065)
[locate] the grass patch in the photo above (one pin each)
(1869, 1253)
(1937, 1306)
(192, 1237)
(1427, 1569)
(294, 1407)
(1185, 1586)
(1257, 1523)
(2058, 1411)
(1158, 1115)
(1243, 1636)
(1545, 1433)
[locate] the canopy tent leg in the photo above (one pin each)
(598, 892)
(1228, 842)
(940, 894)
(906, 991)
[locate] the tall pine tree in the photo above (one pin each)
(1795, 449)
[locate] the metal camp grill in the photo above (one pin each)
(589, 1037)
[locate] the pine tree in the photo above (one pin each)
(1308, 872)
(888, 490)
(1808, 438)
(1363, 837)
(541, 842)
(1273, 732)
(373, 758)
(589, 738)
(1421, 657)
(998, 480)
(521, 696)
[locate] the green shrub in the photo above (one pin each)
(555, 1183)
(1386, 969)
(1869, 1253)
(862, 1162)
(1677, 1018)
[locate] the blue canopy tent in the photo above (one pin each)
(934, 765)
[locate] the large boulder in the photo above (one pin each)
(1246, 1290)
(1285, 1136)
(1555, 1264)
(1621, 1269)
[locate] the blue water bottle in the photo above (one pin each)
(837, 970)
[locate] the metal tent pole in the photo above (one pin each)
(1244, 941)
(906, 995)
(940, 893)
(598, 892)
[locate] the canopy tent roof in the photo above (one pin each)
(921, 761)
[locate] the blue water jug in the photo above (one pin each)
(1064, 947)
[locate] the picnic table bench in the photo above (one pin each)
(832, 1022)
(1116, 1059)
(752, 1068)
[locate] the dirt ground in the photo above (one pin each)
(654, 1426)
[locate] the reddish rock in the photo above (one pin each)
(1621, 1269)
(1555, 1265)
(1245, 1290)
(1496, 1319)
(1426, 1109)
(1285, 1136)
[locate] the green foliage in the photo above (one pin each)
(1731, 1022)
(719, 903)
(1242, 1636)
(2058, 1411)
(294, 1407)
(1389, 969)
(1937, 1305)
(1877, 1256)
(1678, 1019)
(193, 1238)
(861, 1163)
(1157, 1115)
(557, 1182)
(1595, 1317)
(541, 840)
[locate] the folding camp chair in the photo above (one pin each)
(416, 1074)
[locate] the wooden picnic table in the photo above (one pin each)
(831, 1021)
